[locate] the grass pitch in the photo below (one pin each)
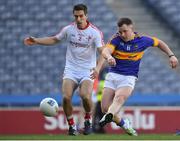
(92, 137)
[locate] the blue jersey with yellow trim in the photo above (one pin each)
(128, 54)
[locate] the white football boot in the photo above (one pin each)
(127, 127)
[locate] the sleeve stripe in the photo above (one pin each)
(110, 46)
(156, 42)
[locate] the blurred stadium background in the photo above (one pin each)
(28, 74)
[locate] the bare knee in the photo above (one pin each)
(87, 102)
(84, 98)
(120, 98)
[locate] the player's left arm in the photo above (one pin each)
(101, 60)
(172, 58)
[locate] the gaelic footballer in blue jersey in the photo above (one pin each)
(123, 53)
(128, 54)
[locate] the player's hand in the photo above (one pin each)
(111, 61)
(30, 41)
(94, 73)
(173, 61)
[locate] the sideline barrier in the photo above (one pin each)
(144, 120)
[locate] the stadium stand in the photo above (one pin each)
(38, 70)
(27, 74)
(170, 12)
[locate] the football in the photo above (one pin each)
(49, 107)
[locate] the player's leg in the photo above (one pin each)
(120, 98)
(85, 91)
(124, 90)
(124, 86)
(112, 114)
(68, 88)
(117, 101)
(107, 99)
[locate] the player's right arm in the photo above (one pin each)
(107, 54)
(41, 41)
(47, 40)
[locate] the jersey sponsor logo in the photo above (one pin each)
(76, 44)
(136, 46)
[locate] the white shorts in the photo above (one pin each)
(77, 75)
(115, 81)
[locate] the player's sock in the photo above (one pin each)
(121, 123)
(87, 116)
(72, 127)
(87, 124)
(70, 120)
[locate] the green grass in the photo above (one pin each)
(92, 137)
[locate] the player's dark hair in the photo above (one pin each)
(126, 21)
(80, 7)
